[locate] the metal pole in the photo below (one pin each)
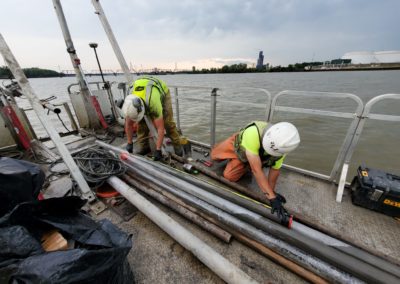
(308, 261)
(91, 105)
(106, 84)
(213, 260)
(279, 259)
(290, 265)
(94, 45)
(178, 119)
(113, 40)
(225, 193)
(213, 121)
(188, 214)
(36, 105)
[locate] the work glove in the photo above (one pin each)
(276, 206)
(281, 198)
(129, 147)
(157, 155)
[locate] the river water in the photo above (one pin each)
(321, 136)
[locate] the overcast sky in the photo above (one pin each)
(203, 33)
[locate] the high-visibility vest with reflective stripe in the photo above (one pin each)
(266, 159)
(143, 86)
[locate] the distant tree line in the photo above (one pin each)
(298, 67)
(243, 68)
(235, 68)
(30, 72)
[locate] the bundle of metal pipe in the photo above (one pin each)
(188, 214)
(217, 263)
(264, 210)
(240, 218)
(295, 268)
(311, 263)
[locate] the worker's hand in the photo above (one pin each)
(129, 147)
(281, 198)
(157, 155)
(276, 206)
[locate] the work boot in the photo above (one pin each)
(142, 150)
(178, 150)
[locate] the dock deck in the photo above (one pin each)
(156, 257)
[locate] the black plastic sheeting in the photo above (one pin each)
(99, 254)
(20, 181)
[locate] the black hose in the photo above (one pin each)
(97, 165)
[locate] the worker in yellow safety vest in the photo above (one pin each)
(259, 144)
(150, 96)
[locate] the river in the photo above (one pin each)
(321, 136)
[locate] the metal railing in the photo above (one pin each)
(214, 94)
(355, 136)
(354, 116)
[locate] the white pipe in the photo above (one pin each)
(27, 90)
(213, 260)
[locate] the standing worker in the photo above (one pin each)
(150, 96)
(259, 144)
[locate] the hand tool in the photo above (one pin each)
(204, 162)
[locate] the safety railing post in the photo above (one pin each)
(213, 121)
(178, 120)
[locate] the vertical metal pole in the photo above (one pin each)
(85, 91)
(106, 85)
(113, 40)
(178, 119)
(38, 108)
(213, 121)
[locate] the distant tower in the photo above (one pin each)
(260, 60)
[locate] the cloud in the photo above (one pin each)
(158, 32)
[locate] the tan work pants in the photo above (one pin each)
(235, 168)
(169, 124)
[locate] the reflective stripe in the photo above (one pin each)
(149, 88)
(157, 83)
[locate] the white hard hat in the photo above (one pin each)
(133, 108)
(280, 139)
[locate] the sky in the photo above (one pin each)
(171, 34)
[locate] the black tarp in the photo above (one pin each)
(99, 254)
(20, 181)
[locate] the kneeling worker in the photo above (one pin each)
(259, 144)
(150, 96)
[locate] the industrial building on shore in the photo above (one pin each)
(367, 57)
(361, 60)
